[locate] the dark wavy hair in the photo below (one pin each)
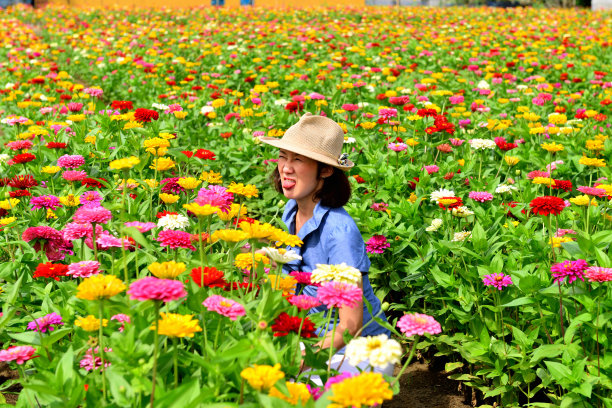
(336, 189)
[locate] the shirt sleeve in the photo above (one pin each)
(345, 244)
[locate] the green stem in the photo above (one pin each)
(101, 348)
(331, 346)
(412, 350)
(155, 350)
(93, 240)
(175, 361)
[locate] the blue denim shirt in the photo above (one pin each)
(332, 237)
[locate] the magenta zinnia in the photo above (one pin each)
(497, 280)
(339, 294)
(18, 354)
(175, 239)
(151, 288)
(225, 307)
(417, 323)
(98, 215)
(571, 269)
(46, 323)
(377, 244)
(598, 274)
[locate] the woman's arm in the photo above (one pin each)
(351, 319)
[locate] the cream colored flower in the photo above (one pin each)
(379, 351)
(337, 273)
(281, 255)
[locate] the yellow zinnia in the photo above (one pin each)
(124, 164)
(593, 162)
(89, 323)
(247, 191)
(257, 230)
(245, 261)
(511, 160)
(211, 177)
(298, 393)
(169, 198)
(262, 377)
(167, 270)
(7, 220)
(552, 147)
(233, 212)
(188, 183)
(70, 200)
(543, 180)
(201, 210)
(162, 163)
(99, 287)
(284, 284)
(176, 325)
(364, 389)
(229, 235)
(50, 169)
(9, 204)
(583, 200)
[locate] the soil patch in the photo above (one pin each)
(425, 388)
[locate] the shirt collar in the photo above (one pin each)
(311, 225)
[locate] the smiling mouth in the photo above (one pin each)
(288, 183)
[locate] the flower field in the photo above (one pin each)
(141, 236)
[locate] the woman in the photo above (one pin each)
(310, 174)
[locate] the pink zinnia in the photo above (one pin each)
(561, 232)
(152, 288)
(83, 269)
(224, 306)
(46, 323)
(456, 99)
(350, 107)
(338, 378)
(417, 323)
(175, 239)
(571, 269)
(387, 113)
(481, 196)
(215, 196)
(74, 175)
(75, 230)
(304, 302)
(431, 169)
(302, 277)
(91, 198)
(121, 318)
(339, 294)
(379, 206)
(19, 145)
(397, 147)
(71, 161)
(537, 173)
(592, 191)
(598, 274)
(49, 240)
(98, 215)
(92, 359)
(457, 142)
(377, 244)
(18, 354)
(50, 202)
(106, 240)
(141, 226)
(498, 280)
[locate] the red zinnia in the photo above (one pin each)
(145, 115)
(92, 182)
(122, 105)
(23, 181)
(565, 185)
(456, 202)
(205, 154)
(359, 179)
(164, 213)
(285, 324)
(209, 277)
(20, 193)
(547, 205)
(23, 158)
(187, 153)
(50, 270)
(56, 145)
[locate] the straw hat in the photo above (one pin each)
(316, 137)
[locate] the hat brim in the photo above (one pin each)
(282, 144)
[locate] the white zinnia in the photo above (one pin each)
(461, 236)
(482, 144)
(160, 106)
(483, 85)
(379, 351)
(462, 211)
(505, 188)
(4, 158)
(281, 255)
(438, 194)
(337, 273)
(206, 109)
(436, 223)
(173, 222)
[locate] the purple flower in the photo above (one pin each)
(571, 269)
(46, 323)
(377, 244)
(498, 280)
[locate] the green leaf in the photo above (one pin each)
(560, 372)
(27, 337)
(54, 336)
(450, 367)
(519, 302)
(547, 350)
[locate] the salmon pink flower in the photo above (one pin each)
(224, 306)
(417, 323)
(18, 354)
(598, 274)
(339, 294)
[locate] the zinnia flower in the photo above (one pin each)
(339, 294)
(281, 255)
(175, 239)
(18, 354)
(480, 196)
(90, 323)
(338, 273)
(497, 280)
(45, 323)
(304, 302)
(121, 318)
(262, 377)
(167, 270)
(417, 323)
(225, 307)
(92, 360)
(151, 288)
(71, 162)
(377, 244)
(208, 277)
(365, 389)
(173, 221)
(298, 393)
(83, 269)
(98, 215)
(176, 325)
(598, 274)
(379, 351)
(571, 269)
(45, 201)
(547, 205)
(50, 270)
(49, 240)
(285, 324)
(99, 287)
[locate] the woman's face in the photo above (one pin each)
(298, 176)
